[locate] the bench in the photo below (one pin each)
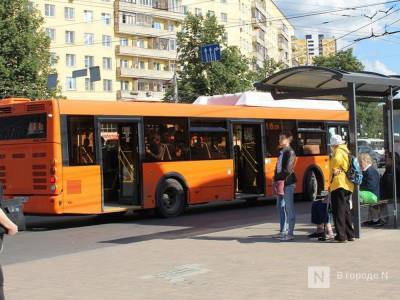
(365, 210)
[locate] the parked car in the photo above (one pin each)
(379, 160)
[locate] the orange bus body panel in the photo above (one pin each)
(75, 107)
(206, 180)
(82, 190)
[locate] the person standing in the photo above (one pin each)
(341, 190)
(284, 171)
(11, 229)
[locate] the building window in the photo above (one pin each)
(107, 85)
(89, 38)
(224, 17)
(141, 86)
(89, 85)
(198, 12)
(106, 18)
(69, 37)
(157, 66)
(185, 9)
(211, 13)
(53, 58)
(71, 84)
(123, 42)
(141, 65)
(106, 41)
(89, 61)
(140, 43)
(124, 63)
(156, 25)
(88, 16)
(172, 45)
(51, 33)
(124, 85)
(166, 139)
(107, 63)
(70, 60)
(69, 13)
(49, 10)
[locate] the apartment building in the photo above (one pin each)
(257, 27)
(278, 32)
(147, 50)
(82, 36)
(314, 45)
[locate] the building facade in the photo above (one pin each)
(257, 27)
(147, 50)
(133, 42)
(82, 36)
(313, 46)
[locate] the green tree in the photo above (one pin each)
(369, 115)
(230, 75)
(269, 67)
(24, 52)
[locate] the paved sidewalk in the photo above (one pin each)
(241, 263)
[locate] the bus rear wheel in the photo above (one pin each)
(310, 192)
(170, 198)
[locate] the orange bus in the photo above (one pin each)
(93, 157)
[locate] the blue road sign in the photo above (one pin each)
(210, 52)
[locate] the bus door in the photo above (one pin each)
(248, 158)
(120, 157)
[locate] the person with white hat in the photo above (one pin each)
(341, 189)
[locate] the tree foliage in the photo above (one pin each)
(269, 67)
(24, 52)
(369, 115)
(230, 75)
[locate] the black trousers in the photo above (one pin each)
(340, 199)
(1, 284)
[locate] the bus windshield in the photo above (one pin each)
(23, 127)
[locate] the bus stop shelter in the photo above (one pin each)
(311, 82)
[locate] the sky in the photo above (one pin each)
(377, 54)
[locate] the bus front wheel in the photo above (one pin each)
(310, 192)
(170, 198)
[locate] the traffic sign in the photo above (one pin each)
(210, 52)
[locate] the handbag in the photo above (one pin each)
(279, 187)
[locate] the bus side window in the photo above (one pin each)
(312, 138)
(81, 141)
(274, 129)
(166, 139)
(209, 139)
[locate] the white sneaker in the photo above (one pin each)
(279, 235)
(287, 238)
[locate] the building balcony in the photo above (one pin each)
(144, 31)
(175, 14)
(145, 74)
(258, 24)
(258, 39)
(140, 96)
(145, 52)
(261, 6)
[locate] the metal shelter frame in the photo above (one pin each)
(311, 82)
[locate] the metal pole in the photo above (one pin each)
(175, 81)
(393, 156)
(351, 96)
